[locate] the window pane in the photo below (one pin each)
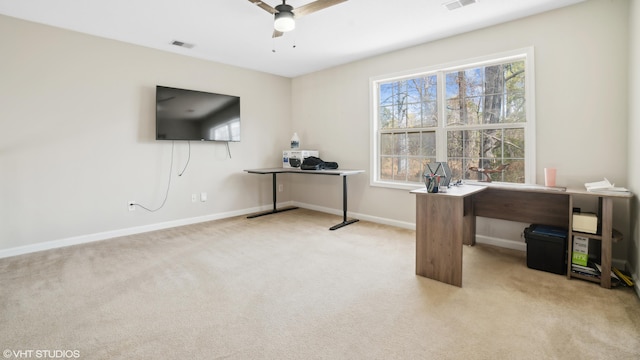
(515, 92)
(414, 90)
(483, 154)
(514, 143)
(456, 166)
(428, 144)
(486, 95)
(385, 116)
(430, 111)
(420, 144)
(472, 80)
(401, 168)
(414, 115)
(410, 103)
(416, 170)
(386, 144)
(386, 168)
(464, 111)
(400, 144)
(514, 76)
(386, 94)
(414, 144)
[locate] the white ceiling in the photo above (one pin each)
(239, 33)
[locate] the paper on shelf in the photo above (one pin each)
(604, 185)
(613, 275)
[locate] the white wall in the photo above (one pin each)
(634, 135)
(78, 137)
(581, 106)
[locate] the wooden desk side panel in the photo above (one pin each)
(522, 206)
(469, 230)
(440, 227)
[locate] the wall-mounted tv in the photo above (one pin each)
(183, 114)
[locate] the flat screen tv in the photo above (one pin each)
(183, 114)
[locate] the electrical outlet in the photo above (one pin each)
(132, 205)
(280, 187)
(203, 196)
(194, 198)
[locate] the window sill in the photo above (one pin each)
(398, 186)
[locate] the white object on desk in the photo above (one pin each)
(604, 185)
(585, 222)
(297, 154)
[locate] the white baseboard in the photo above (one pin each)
(482, 239)
(350, 214)
(504, 243)
(83, 239)
(635, 279)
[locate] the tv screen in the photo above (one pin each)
(196, 115)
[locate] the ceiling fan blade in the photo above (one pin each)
(314, 6)
(264, 6)
(277, 33)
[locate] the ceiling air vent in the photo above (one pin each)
(456, 4)
(182, 44)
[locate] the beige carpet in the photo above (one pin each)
(285, 287)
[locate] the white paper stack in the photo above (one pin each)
(604, 185)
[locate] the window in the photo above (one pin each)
(478, 117)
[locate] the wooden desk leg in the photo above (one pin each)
(440, 231)
(607, 230)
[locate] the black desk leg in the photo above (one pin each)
(344, 222)
(275, 210)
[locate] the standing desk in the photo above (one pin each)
(334, 172)
(446, 221)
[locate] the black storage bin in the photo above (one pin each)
(546, 248)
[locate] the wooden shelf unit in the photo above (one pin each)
(607, 234)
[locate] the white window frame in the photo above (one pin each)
(526, 54)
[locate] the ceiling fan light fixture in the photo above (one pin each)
(284, 20)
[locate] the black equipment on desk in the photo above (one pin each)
(294, 162)
(315, 163)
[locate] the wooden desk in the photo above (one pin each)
(336, 172)
(445, 221)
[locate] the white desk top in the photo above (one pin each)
(337, 172)
(468, 189)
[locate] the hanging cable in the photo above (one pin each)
(166, 195)
(188, 158)
(228, 150)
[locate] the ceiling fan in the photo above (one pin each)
(285, 15)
